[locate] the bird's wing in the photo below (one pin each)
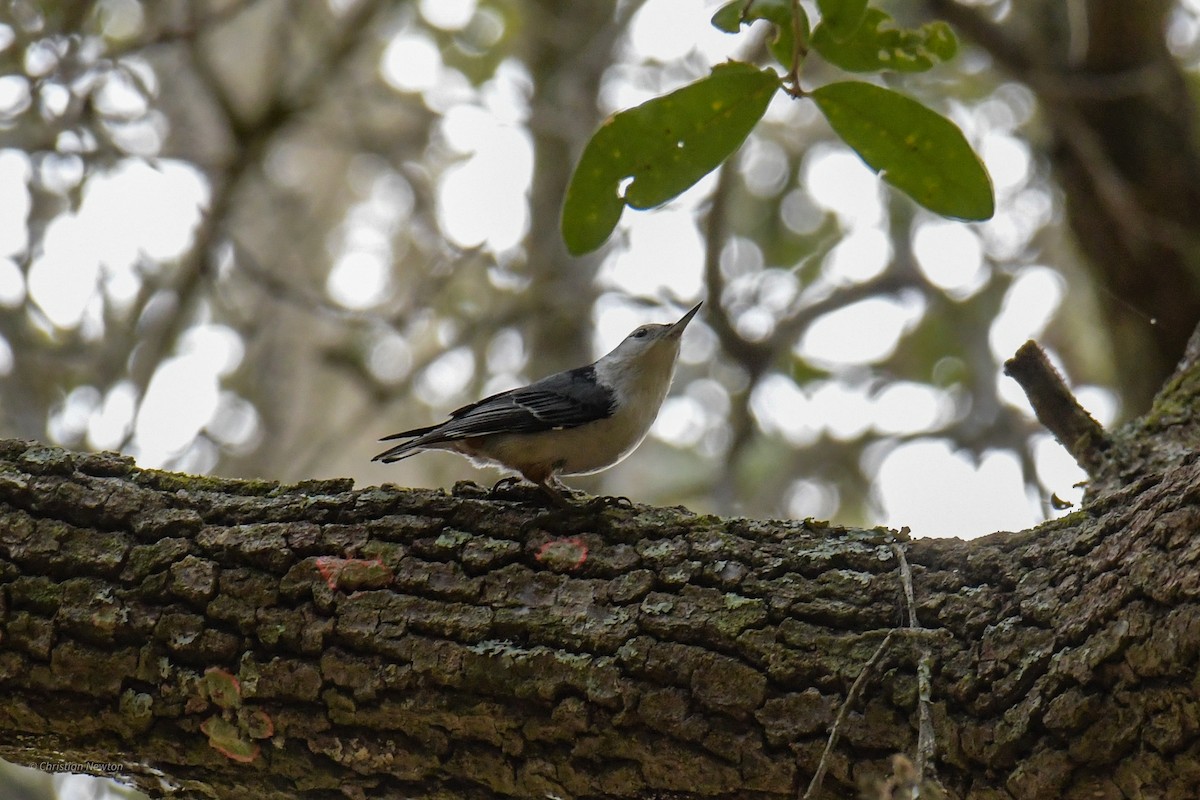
(563, 400)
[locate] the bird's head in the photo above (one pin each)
(652, 343)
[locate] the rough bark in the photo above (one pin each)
(231, 638)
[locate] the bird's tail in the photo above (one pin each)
(406, 449)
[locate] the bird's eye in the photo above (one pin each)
(640, 333)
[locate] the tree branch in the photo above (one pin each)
(245, 637)
(1057, 409)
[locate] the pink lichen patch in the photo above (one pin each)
(563, 554)
(226, 739)
(353, 574)
(257, 724)
(222, 687)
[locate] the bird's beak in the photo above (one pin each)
(677, 329)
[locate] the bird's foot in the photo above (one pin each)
(504, 484)
(514, 489)
(567, 514)
(557, 494)
(596, 504)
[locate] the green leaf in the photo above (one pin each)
(842, 17)
(779, 12)
(876, 45)
(917, 150)
(731, 16)
(664, 145)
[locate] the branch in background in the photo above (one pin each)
(754, 356)
(277, 287)
(1059, 90)
(380, 399)
(197, 24)
(251, 141)
(1057, 409)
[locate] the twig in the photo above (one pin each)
(856, 689)
(799, 51)
(926, 744)
(1057, 409)
(910, 598)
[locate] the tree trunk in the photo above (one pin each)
(238, 638)
(1124, 150)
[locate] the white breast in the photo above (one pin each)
(572, 451)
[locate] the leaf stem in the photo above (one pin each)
(791, 81)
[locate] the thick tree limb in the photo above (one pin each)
(233, 638)
(215, 638)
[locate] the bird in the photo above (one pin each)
(576, 422)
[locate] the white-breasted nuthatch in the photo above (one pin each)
(575, 422)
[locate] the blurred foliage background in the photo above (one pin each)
(250, 237)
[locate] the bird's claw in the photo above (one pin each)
(600, 503)
(571, 514)
(514, 488)
(504, 484)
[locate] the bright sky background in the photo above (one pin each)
(138, 209)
